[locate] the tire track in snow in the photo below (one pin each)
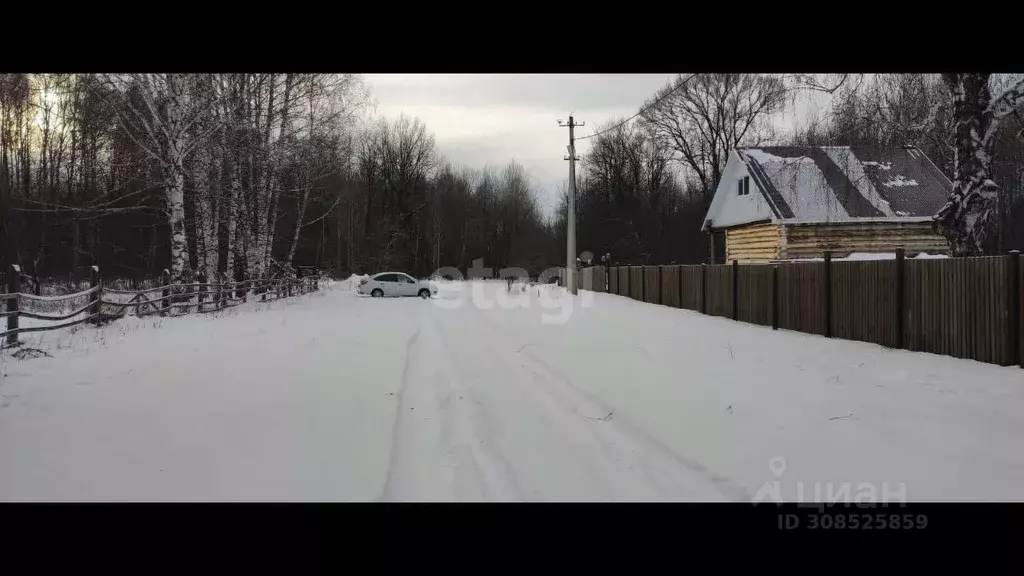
(527, 445)
(438, 450)
(616, 431)
(397, 428)
(498, 479)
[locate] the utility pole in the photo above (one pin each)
(570, 236)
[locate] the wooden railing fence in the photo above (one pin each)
(171, 299)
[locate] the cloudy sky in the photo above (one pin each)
(481, 119)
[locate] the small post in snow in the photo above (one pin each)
(223, 291)
(828, 294)
(94, 282)
(203, 287)
(900, 312)
(13, 287)
(165, 295)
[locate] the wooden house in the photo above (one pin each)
(787, 202)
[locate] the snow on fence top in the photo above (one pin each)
(95, 304)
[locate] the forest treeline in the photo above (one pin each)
(253, 175)
(248, 175)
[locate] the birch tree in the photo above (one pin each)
(964, 219)
(163, 119)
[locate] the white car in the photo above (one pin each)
(396, 284)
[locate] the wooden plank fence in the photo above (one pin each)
(636, 283)
(593, 279)
(718, 290)
(174, 299)
(652, 285)
(755, 294)
(692, 278)
(969, 308)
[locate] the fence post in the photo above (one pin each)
(629, 283)
(225, 289)
(679, 271)
(165, 294)
(900, 304)
(661, 299)
(13, 287)
(94, 282)
(1013, 306)
(828, 294)
(736, 290)
(703, 288)
(203, 287)
(775, 297)
(643, 284)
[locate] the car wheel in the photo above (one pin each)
(377, 293)
(424, 293)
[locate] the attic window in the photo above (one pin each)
(744, 186)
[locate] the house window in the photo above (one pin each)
(744, 186)
(741, 187)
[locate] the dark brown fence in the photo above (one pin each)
(718, 290)
(593, 279)
(801, 298)
(864, 301)
(636, 283)
(755, 294)
(671, 287)
(652, 285)
(99, 304)
(692, 278)
(962, 307)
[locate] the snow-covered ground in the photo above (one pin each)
(539, 396)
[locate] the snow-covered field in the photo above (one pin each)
(540, 396)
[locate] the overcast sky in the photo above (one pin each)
(481, 119)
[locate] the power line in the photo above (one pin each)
(642, 110)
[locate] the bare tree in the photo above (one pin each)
(704, 116)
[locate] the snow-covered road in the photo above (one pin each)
(594, 398)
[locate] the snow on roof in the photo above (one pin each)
(843, 183)
(860, 256)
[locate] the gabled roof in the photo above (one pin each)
(844, 183)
